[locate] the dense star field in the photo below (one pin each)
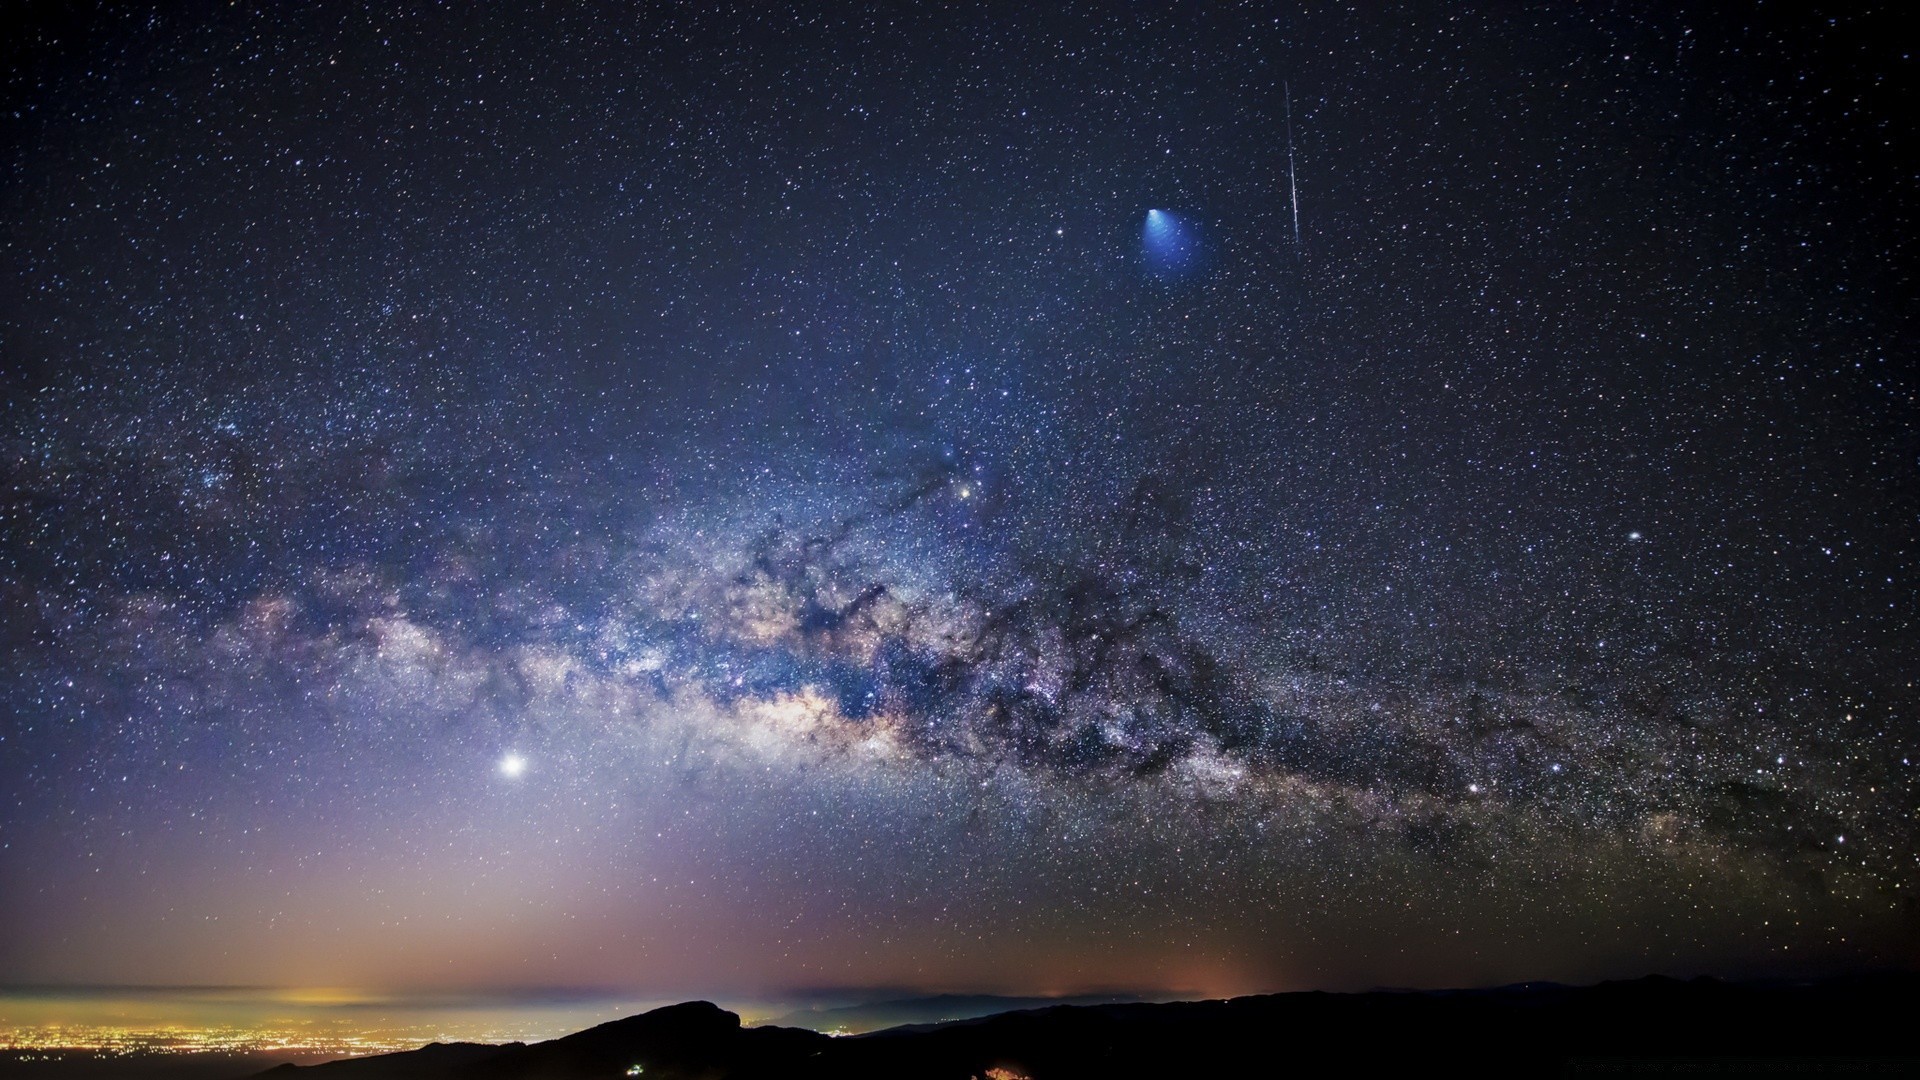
(722, 501)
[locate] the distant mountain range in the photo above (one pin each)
(939, 1008)
(1861, 1026)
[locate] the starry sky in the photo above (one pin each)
(1030, 498)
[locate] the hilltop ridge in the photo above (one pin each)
(1534, 1029)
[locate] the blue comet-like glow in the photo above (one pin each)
(1171, 244)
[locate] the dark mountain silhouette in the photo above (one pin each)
(693, 1039)
(1528, 1030)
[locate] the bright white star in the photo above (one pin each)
(512, 765)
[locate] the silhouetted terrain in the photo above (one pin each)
(1830, 1028)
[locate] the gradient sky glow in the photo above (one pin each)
(701, 502)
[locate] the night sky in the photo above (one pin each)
(714, 501)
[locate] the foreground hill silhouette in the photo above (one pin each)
(1612, 1029)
